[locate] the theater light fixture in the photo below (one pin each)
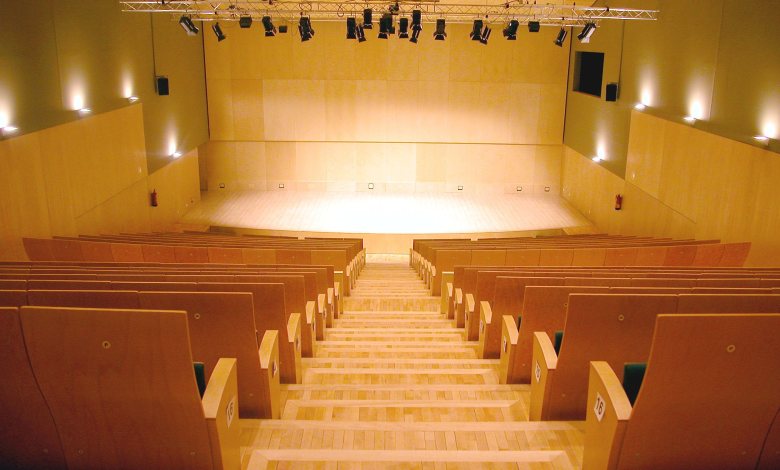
(176, 155)
(440, 33)
(218, 32)
(133, 99)
(304, 27)
(689, 119)
(510, 32)
(386, 26)
(84, 112)
(351, 28)
(268, 25)
(640, 106)
(534, 26)
(361, 35)
(561, 37)
(415, 36)
(597, 159)
(762, 138)
(188, 26)
(245, 22)
(403, 28)
(485, 35)
(367, 21)
(416, 25)
(476, 31)
(587, 32)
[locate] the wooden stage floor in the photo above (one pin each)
(387, 221)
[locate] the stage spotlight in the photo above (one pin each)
(415, 35)
(534, 26)
(367, 19)
(361, 36)
(218, 32)
(561, 37)
(268, 25)
(304, 27)
(485, 35)
(188, 26)
(587, 32)
(403, 28)
(510, 32)
(416, 20)
(440, 34)
(245, 22)
(476, 31)
(351, 28)
(386, 26)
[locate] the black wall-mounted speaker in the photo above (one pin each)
(161, 83)
(612, 91)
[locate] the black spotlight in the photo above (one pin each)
(561, 37)
(476, 31)
(282, 28)
(361, 36)
(403, 28)
(270, 29)
(304, 27)
(415, 35)
(367, 19)
(188, 26)
(587, 32)
(218, 32)
(416, 20)
(534, 26)
(351, 28)
(485, 35)
(510, 32)
(385, 26)
(440, 34)
(245, 22)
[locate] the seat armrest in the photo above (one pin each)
(607, 417)
(460, 321)
(543, 365)
(220, 407)
(509, 336)
(269, 363)
(468, 318)
(294, 336)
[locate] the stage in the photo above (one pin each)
(387, 221)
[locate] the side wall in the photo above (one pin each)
(683, 182)
(332, 114)
(88, 177)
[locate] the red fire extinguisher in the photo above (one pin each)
(618, 202)
(153, 198)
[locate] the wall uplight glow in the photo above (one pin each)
(769, 129)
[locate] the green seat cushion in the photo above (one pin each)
(558, 341)
(633, 374)
(200, 377)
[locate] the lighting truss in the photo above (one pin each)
(337, 10)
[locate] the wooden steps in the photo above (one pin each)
(394, 384)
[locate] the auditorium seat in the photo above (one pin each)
(707, 399)
(121, 388)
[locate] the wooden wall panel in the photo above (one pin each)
(683, 182)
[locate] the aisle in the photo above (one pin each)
(394, 384)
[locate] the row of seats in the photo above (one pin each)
(432, 257)
(641, 353)
(150, 365)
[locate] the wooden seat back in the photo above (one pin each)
(110, 373)
(13, 298)
(28, 436)
(270, 313)
(84, 298)
(709, 396)
(222, 324)
(605, 327)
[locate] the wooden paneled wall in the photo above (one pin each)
(685, 183)
(332, 114)
(85, 177)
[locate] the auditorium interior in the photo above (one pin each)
(443, 234)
